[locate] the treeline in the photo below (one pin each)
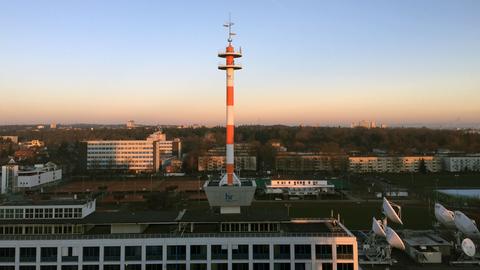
(64, 145)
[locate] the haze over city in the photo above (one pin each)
(307, 62)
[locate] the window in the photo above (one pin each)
(9, 213)
(323, 251)
(111, 267)
(90, 267)
(219, 266)
(344, 266)
(281, 252)
(300, 266)
(176, 253)
(111, 254)
(7, 267)
(68, 212)
(156, 267)
(48, 267)
(198, 266)
(219, 252)
(154, 252)
(28, 254)
(7, 254)
(261, 252)
(19, 213)
(281, 266)
(303, 252)
(58, 212)
(198, 252)
(176, 266)
(28, 267)
(48, 254)
(133, 267)
(344, 252)
(29, 213)
(261, 266)
(239, 266)
(133, 253)
(70, 267)
(38, 212)
(327, 266)
(91, 254)
(77, 212)
(240, 252)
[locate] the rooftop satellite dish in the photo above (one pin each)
(466, 225)
(393, 239)
(444, 216)
(377, 227)
(468, 247)
(388, 211)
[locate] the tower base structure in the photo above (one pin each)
(230, 199)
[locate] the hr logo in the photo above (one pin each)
(228, 197)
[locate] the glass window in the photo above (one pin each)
(28, 254)
(219, 266)
(198, 252)
(48, 254)
(261, 252)
(19, 213)
(261, 266)
(91, 254)
(240, 252)
(90, 267)
(303, 252)
(28, 267)
(176, 253)
(176, 266)
(198, 266)
(239, 266)
(7, 254)
(281, 252)
(157, 267)
(344, 266)
(111, 253)
(281, 266)
(133, 267)
(219, 252)
(133, 253)
(111, 267)
(344, 252)
(154, 252)
(70, 267)
(323, 251)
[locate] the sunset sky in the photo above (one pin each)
(305, 62)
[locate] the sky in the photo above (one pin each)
(305, 62)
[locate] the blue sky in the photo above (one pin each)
(306, 62)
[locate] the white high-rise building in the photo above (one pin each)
(133, 155)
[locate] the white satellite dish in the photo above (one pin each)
(393, 239)
(377, 227)
(444, 216)
(390, 212)
(468, 247)
(466, 225)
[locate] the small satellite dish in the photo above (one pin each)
(390, 212)
(444, 216)
(377, 227)
(468, 247)
(466, 225)
(393, 239)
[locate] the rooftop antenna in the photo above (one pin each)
(229, 25)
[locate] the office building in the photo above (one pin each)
(15, 178)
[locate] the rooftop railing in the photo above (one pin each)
(167, 235)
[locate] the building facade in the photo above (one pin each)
(14, 177)
(310, 162)
(214, 160)
(394, 164)
(132, 155)
(462, 163)
(73, 236)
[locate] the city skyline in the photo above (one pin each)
(310, 63)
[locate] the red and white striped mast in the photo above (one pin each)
(230, 54)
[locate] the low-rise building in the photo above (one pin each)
(13, 139)
(214, 159)
(15, 177)
(299, 187)
(33, 143)
(394, 164)
(310, 162)
(462, 163)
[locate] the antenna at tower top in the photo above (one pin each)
(229, 25)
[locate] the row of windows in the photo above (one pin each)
(40, 213)
(193, 266)
(249, 227)
(175, 253)
(40, 229)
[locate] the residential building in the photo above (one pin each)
(393, 164)
(459, 163)
(33, 143)
(13, 139)
(214, 160)
(310, 162)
